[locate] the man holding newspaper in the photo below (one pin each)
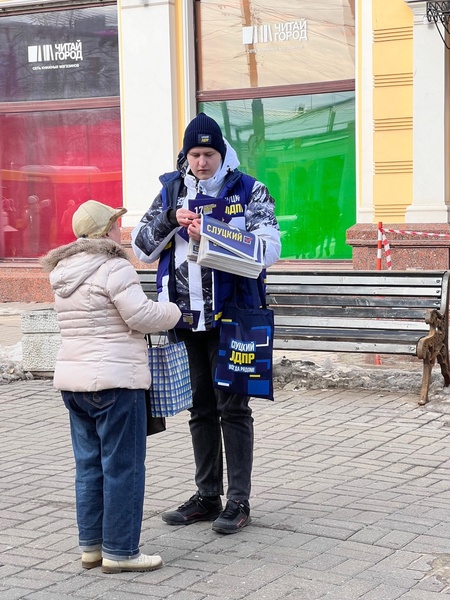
(208, 182)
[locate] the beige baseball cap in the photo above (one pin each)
(93, 219)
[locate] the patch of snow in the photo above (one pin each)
(295, 374)
(11, 368)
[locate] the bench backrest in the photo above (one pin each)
(147, 277)
(358, 294)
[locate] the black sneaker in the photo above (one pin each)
(195, 509)
(235, 516)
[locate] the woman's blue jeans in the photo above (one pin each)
(216, 414)
(109, 443)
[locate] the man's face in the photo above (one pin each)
(204, 162)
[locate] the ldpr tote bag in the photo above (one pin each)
(170, 389)
(245, 358)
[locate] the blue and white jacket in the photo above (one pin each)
(188, 284)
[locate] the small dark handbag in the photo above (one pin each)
(154, 424)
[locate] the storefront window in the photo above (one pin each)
(303, 149)
(259, 43)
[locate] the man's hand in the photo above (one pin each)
(194, 229)
(185, 217)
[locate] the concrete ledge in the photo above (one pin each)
(24, 283)
(41, 340)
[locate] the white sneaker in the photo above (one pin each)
(141, 563)
(91, 559)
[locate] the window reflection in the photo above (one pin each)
(258, 43)
(303, 149)
(51, 162)
(60, 54)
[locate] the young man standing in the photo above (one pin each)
(208, 165)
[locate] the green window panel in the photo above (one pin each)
(303, 149)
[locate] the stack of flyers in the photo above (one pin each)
(192, 252)
(228, 248)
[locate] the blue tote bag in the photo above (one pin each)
(245, 357)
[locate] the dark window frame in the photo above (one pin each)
(62, 104)
(52, 6)
(343, 85)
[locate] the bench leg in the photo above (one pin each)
(442, 357)
(434, 346)
(426, 378)
(444, 364)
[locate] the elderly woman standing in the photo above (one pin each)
(102, 372)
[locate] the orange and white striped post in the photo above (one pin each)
(379, 251)
(379, 245)
(387, 250)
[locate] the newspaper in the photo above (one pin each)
(227, 248)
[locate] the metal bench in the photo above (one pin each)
(378, 312)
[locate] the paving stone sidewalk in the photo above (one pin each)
(350, 501)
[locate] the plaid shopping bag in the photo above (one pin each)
(170, 389)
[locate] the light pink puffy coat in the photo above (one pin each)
(103, 315)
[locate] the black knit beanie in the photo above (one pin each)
(203, 131)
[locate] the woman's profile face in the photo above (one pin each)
(114, 233)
